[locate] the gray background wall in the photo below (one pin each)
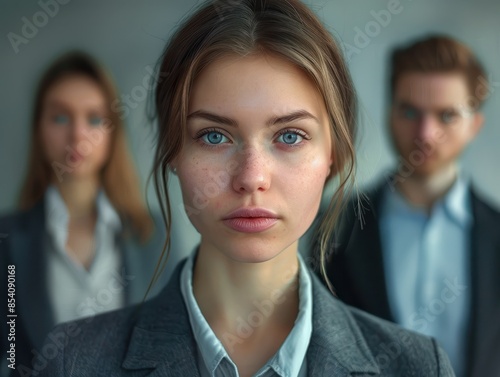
(128, 37)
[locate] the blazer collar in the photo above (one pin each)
(337, 344)
(27, 253)
(162, 339)
(485, 307)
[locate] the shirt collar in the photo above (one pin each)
(289, 358)
(456, 202)
(56, 218)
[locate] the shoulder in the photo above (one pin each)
(111, 342)
(95, 345)
(483, 208)
(360, 342)
(12, 220)
(21, 219)
(400, 350)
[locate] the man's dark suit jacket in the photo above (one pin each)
(355, 267)
(21, 246)
(156, 339)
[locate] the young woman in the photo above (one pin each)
(256, 113)
(83, 241)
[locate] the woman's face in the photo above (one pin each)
(256, 156)
(74, 134)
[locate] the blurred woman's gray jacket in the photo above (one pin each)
(21, 245)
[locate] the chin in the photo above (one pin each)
(253, 251)
(427, 170)
(252, 255)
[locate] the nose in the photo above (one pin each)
(427, 127)
(253, 172)
(78, 130)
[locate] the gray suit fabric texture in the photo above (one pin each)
(155, 339)
(23, 248)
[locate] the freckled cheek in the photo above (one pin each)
(304, 184)
(203, 183)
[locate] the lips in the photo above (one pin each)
(75, 156)
(250, 220)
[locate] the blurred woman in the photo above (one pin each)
(83, 241)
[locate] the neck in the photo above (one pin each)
(229, 293)
(79, 196)
(424, 190)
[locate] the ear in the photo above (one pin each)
(173, 166)
(477, 124)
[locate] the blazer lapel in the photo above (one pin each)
(162, 339)
(337, 346)
(27, 248)
(485, 313)
(136, 283)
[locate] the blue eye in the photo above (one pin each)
(448, 117)
(61, 119)
(95, 121)
(214, 138)
(410, 113)
(290, 138)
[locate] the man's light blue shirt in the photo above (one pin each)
(427, 266)
(213, 359)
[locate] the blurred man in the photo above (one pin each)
(424, 250)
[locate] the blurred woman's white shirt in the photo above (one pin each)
(74, 291)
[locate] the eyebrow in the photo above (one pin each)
(405, 104)
(281, 119)
(61, 105)
(456, 110)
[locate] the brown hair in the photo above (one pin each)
(285, 28)
(441, 54)
(118, 176)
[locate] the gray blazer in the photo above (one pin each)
(155, 340)
(21, 245)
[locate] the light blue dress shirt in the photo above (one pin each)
(427, 266)
(213, 359)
